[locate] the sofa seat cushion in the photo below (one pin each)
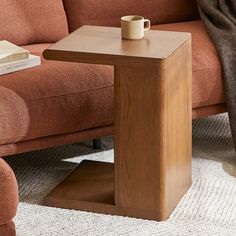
(54, 98)
(32, 21)
(109, 12)
(8, 194)
(207, 80)
(8, 229)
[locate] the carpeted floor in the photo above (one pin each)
(208, 208)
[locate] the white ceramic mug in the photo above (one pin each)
(133, 27)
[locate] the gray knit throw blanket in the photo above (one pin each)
(219, 17)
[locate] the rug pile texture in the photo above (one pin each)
(208, 208)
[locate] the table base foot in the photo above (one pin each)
(90, 187)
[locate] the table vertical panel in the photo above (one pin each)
(153, 139)
(138, 142)
(153, 133)
(178, 124)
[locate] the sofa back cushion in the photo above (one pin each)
(32, 21)
(108, 12)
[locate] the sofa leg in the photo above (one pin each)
(97, 143)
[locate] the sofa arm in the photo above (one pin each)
(8, 193)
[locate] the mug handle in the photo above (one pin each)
(147, 24)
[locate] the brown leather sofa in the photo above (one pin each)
(60, 103)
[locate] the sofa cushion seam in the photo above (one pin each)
(68, 94)
(32, 139)
(200, 105)
(8, 222)
(215, 69)
(6, 174)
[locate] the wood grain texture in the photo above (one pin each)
(90, 187)
(177, 135)
(90, 182)
(152, 123)
(153, 133)
(138, 140)
(103, 45)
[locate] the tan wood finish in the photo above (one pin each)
(91, 182)
(91, 188)
(153, 116)
(153, 133)
(103, 45)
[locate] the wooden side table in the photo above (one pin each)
(153, 135)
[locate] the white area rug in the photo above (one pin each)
(208, 208)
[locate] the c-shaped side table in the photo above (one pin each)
(152, 120)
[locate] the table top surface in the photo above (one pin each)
(89, 41)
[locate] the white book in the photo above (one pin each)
(10, 52)
(32, 61)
